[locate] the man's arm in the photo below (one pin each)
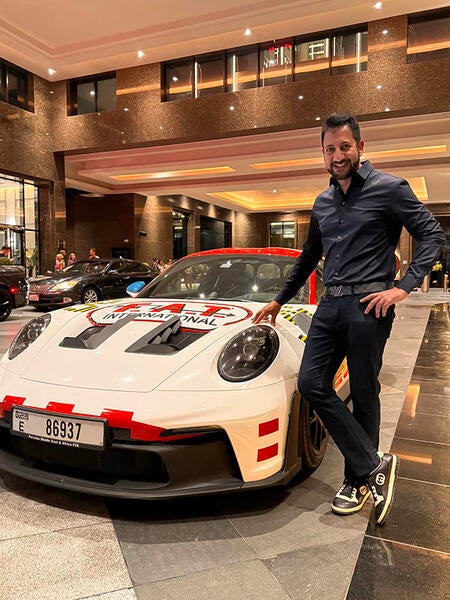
(304, 266)
(425, 229)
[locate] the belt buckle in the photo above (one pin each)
(339, 290)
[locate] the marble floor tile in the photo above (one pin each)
(423, 461)
(247, 581)
(389, 570)
(305, 574)
(65, 565)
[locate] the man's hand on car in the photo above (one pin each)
(268, 312)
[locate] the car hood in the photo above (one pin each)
(107, 348)
(54, 278)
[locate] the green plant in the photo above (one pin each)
(32, 257)
(4, 260)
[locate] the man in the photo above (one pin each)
(6, 251)
(93, 254)
(356, 224)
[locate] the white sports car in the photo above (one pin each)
(172, 392)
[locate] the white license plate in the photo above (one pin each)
(57, 429)
(33, 297)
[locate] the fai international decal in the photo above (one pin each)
(193, 315)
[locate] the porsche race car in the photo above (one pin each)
(171, 392)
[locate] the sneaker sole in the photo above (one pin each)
(390, 495)
(350, 511)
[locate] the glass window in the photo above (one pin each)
(209, 74)
(178, 79)
(242, 69)
(31, 206)
(349, 53)
(94, 94)
(85, 97)
(275, 63)
(16, 86)
(282, 234)
(428, 38)
(106, 94)
(312, 58)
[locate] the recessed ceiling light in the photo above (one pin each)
(231, 107)
(300, 97)
(379, 87)
(385, 31)
(51, 71)
(387, 109)
(92, 93)
(52, 92)
(126, 109)
(274, 191)
(317, 118)
(140, 53)
(175, 78)
(248, 31)
(378, 5)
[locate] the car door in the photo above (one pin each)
(137, 272)
(115, 280)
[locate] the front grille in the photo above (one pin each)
(207, 457)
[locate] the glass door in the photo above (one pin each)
(13, 238)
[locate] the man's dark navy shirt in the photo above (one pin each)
(359, 231)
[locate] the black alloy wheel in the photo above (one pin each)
(314, 437)
(5, 305)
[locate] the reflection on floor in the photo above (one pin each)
(277, 544)
(408, 558)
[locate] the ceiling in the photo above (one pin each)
(280, 171)
(81, 37)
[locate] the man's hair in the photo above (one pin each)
(336, 121)
(4, 247)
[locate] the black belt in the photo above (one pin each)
(359, 288)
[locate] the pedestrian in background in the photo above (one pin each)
(93, 254)
(59, 262)
(72, 259)
(356, 223)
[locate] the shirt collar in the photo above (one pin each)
(361, 174)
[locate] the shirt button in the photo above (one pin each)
(339, 237)
(342, 203)
(338, 256)
(341, 221)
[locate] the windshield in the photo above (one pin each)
(84, 267)
(256, 278)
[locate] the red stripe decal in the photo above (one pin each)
(267, 452)
(7, 403)
(268, 427)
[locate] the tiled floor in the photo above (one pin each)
(280, 544)
(408, 558)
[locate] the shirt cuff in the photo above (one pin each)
(408, 283)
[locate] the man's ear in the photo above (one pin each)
(361, 146)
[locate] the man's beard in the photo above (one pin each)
(347, 173)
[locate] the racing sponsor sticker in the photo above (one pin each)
(203, 316)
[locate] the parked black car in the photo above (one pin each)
(13, 289)
(87, 281)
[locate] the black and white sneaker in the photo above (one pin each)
(381, 483)
(350, 498)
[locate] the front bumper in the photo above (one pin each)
(56, 300)
(202, 465)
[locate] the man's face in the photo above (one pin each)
(341, 152)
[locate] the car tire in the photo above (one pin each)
(314, 438)
(90, 295)
(5, 305)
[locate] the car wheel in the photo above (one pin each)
(5, 305)
(90, 296)
(314, 438)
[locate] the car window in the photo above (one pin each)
(118, 266)
(238, 277)
(136, 267)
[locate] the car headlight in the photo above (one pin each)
(65, 285)
(248, 354)
(27, 335)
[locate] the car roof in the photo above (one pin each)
(273, 251)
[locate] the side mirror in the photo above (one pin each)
(134, 288)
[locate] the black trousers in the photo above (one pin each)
(340, 329)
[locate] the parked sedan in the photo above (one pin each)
(87, 281)
(13, 289)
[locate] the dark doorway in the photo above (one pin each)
(214, 233)
(180, 233)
